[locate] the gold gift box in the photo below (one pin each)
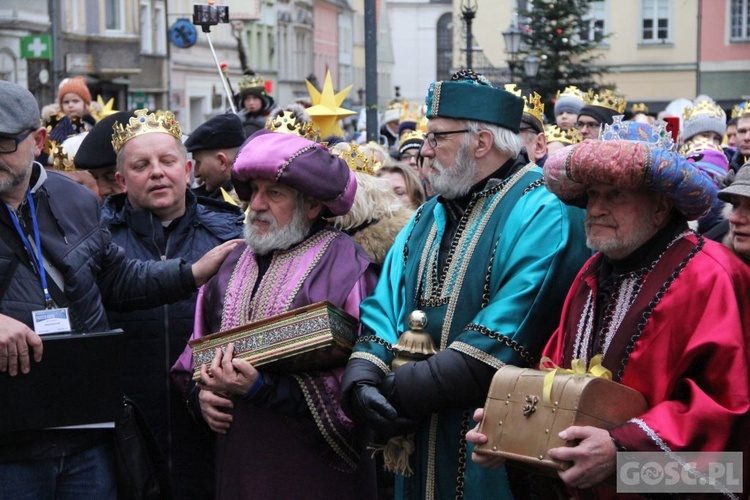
(314, 337)
(522, 427)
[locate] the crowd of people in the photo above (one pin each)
(603, 232)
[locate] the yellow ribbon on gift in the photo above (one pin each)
(578, 369)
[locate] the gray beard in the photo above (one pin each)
(276, 238)
(619, 248)
(13, 180)
(452, 183)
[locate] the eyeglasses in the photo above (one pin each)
(580, 125)
(433, 136)
(10, 144)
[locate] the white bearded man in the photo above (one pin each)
(665, 307)
(283, 435)
(487, 261)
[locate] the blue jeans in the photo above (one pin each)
(88, 474)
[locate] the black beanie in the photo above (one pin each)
(96, 150)
(604, 116)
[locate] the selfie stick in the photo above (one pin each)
(206, 20)
(230, 97)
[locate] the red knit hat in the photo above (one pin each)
(75, 85)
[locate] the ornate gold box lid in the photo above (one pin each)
(314, 337)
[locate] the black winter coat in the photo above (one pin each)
(94, 272)
(155, 337)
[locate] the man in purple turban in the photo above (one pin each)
(283, 435)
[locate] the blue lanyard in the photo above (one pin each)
(36, 255)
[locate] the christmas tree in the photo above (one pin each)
(563, 35)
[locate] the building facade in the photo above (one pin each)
(656, 50)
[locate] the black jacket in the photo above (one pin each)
(93, 272)
(155, 337)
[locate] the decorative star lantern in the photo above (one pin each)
(325, 110)
(106, 108)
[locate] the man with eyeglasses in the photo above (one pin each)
(598, 110)
(56, 259)
(489, 261)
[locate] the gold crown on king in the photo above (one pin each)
(358, 159)
(532, 104)
(703, 107)
(740, 109)
(145, 123)
(570, 136)
(251, 81)
(570, 91)
(607, 99)
(639, 107)
(411, 135)
(699, 144)
(288, 123)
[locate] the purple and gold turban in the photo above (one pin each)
(568, 173)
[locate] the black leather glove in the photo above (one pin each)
(363, 401)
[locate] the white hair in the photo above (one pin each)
(504, 140)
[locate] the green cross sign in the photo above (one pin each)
(36, 47)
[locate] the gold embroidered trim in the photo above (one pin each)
(319, 423)
(431, 456)
(372, 359)
(477, 354)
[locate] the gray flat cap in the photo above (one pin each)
(19, 110)
(740, 186)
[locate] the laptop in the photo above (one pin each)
(78, 382)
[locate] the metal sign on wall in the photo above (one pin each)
(79, 63)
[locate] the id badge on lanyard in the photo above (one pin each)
(50, 319)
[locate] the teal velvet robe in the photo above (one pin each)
(513, 257)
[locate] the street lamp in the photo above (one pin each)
(468, 12)
(512, 37)
(531, 65)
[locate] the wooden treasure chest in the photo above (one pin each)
(522, 422)
(314, 337)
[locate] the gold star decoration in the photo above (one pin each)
(326, 110)
(106, 108)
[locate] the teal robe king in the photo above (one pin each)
(514, 255)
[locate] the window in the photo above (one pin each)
(444, 47)
(593, 30)
(655, 21)
(153, 27)
(147, 46)
(160, 35)
(113, 10)
(740, 20)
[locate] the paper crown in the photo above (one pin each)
(570, 136)
(703, 107)
(59, 158)
(699, 144)
(251, 81)
(656, 134)
(570, 91)
(358, 160)
(639, 107)
(607, 99)
(289, 123)
(411, 113)
(411, 135)
(740, 109)
(532, 104)
(145, 123)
